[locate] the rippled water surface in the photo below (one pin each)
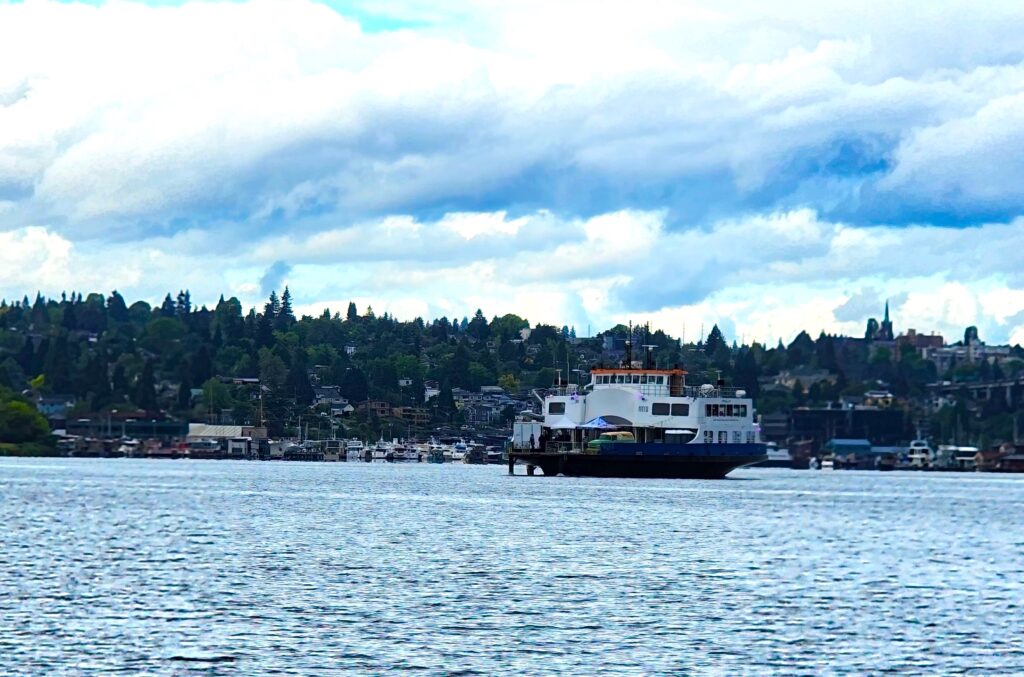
(177, 567)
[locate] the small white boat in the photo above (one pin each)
(457, 453)
(354, 450)
(382, 451)
(920, 455)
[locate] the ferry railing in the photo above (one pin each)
(555, 391)
(648, 390)
(656, 390)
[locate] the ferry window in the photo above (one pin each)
(556, 407)
(707, 409)
(643, 378)
(709, 437)
(660, 409)
(636, 378)
(728, 410)
(737, 436)
(620, 378)
(714, 410)
(741, 409)
(723, 437)
(680, 410)
(661, 380)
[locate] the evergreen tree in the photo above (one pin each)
(201, 365)
(183, 308)
(446, 401)
(117, 311)
(185, 393)
(478, 328)
(354, 385)
(714, 342)
(40, 315)
(58, 366)
(168, 309)
(265, 328)
(119, 381)
(298, 379)
(69, 321)
(746, 373)
(285, 318)
(352, 314)
(144, 395)
(93, 381)
(460, 366)
(800, 351)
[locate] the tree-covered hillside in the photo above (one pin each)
(188, 363)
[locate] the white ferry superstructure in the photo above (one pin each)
(677, 430)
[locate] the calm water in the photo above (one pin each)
(176, 567)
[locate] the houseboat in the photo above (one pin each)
(638, 421)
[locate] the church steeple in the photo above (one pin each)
(885, 332)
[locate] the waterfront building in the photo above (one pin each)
(123, 424)
(882, 426)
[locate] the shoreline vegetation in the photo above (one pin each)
(98, 357)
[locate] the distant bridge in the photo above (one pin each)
(1011, 389)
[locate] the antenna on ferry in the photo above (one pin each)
(648, 356)
(629, 346)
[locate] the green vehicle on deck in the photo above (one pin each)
(615, 437)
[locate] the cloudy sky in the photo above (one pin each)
(578, 163)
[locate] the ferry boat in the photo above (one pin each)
(637, 421)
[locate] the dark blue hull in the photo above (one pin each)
(674, 461)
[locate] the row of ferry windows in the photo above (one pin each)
(607, 379)
(723, 436)
(725, 410)
(657, 409)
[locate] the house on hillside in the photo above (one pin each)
(379, 408)
(805, 376)
(329, 395)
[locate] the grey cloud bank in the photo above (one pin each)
(611, 160)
